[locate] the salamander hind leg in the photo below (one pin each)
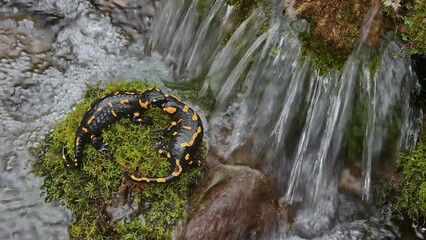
(165, 131)
(99, 144)
(143, 120)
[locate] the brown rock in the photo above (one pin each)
(235, 203)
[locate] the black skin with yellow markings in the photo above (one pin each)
(106, 111)
(186, 136)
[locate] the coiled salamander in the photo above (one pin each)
(105, 111)
(185, 139)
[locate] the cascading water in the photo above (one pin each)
(299, 127)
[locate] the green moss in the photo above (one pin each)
(411, 187)
(415, 23)
(88, 192)
(325, 56)
(244, 8)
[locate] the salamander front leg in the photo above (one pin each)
(159, 147)
(99, 144)
(69, 163)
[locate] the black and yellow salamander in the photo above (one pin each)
(105, 111)
(186, 136)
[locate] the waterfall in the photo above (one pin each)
(187, 43)
(300, 127)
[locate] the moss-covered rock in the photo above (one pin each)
(335, 29)
(410, 17)
(411, 181)
(415, 21)
(89, 192)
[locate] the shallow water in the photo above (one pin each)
(50, 50)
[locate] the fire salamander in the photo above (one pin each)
(186, 137)
(105, 111)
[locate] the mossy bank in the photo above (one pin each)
(94, 194)
(410, 184)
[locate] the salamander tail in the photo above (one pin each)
(150, 180)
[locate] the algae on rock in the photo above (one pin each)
(90, 191)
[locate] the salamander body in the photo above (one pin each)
(186, 136)
(106, 111)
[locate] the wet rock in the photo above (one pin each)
(351, 181)
(24, 35)
(286, 214)
(119, 212)
(235, 203)
(134, 16)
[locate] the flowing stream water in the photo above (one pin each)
(267, 107)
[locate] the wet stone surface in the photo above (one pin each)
(235, 203)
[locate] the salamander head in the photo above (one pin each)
(155, 97)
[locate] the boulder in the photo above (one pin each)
(235, 202)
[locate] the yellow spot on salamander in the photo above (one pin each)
(116, 93)
(113, 113)
(84, 129)
(124, 101)
(136, 114)
(187, 127)
(130, 93)
(176, 98)
(175, 174)
(91, 120)
(185, 108)
(169, 155)
(88, 109)
(77, 141)
(175, 133)
(143, 104)
(75, 160)
(195, 117)
(169, 110)
(173, 123)
(187, 157)
(76, 164)
(160, 151)
(161, 180)
(99, 109)
(190, 143)
(110, 104)
(166, 94)
(103, 96)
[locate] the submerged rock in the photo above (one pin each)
(235, 202)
